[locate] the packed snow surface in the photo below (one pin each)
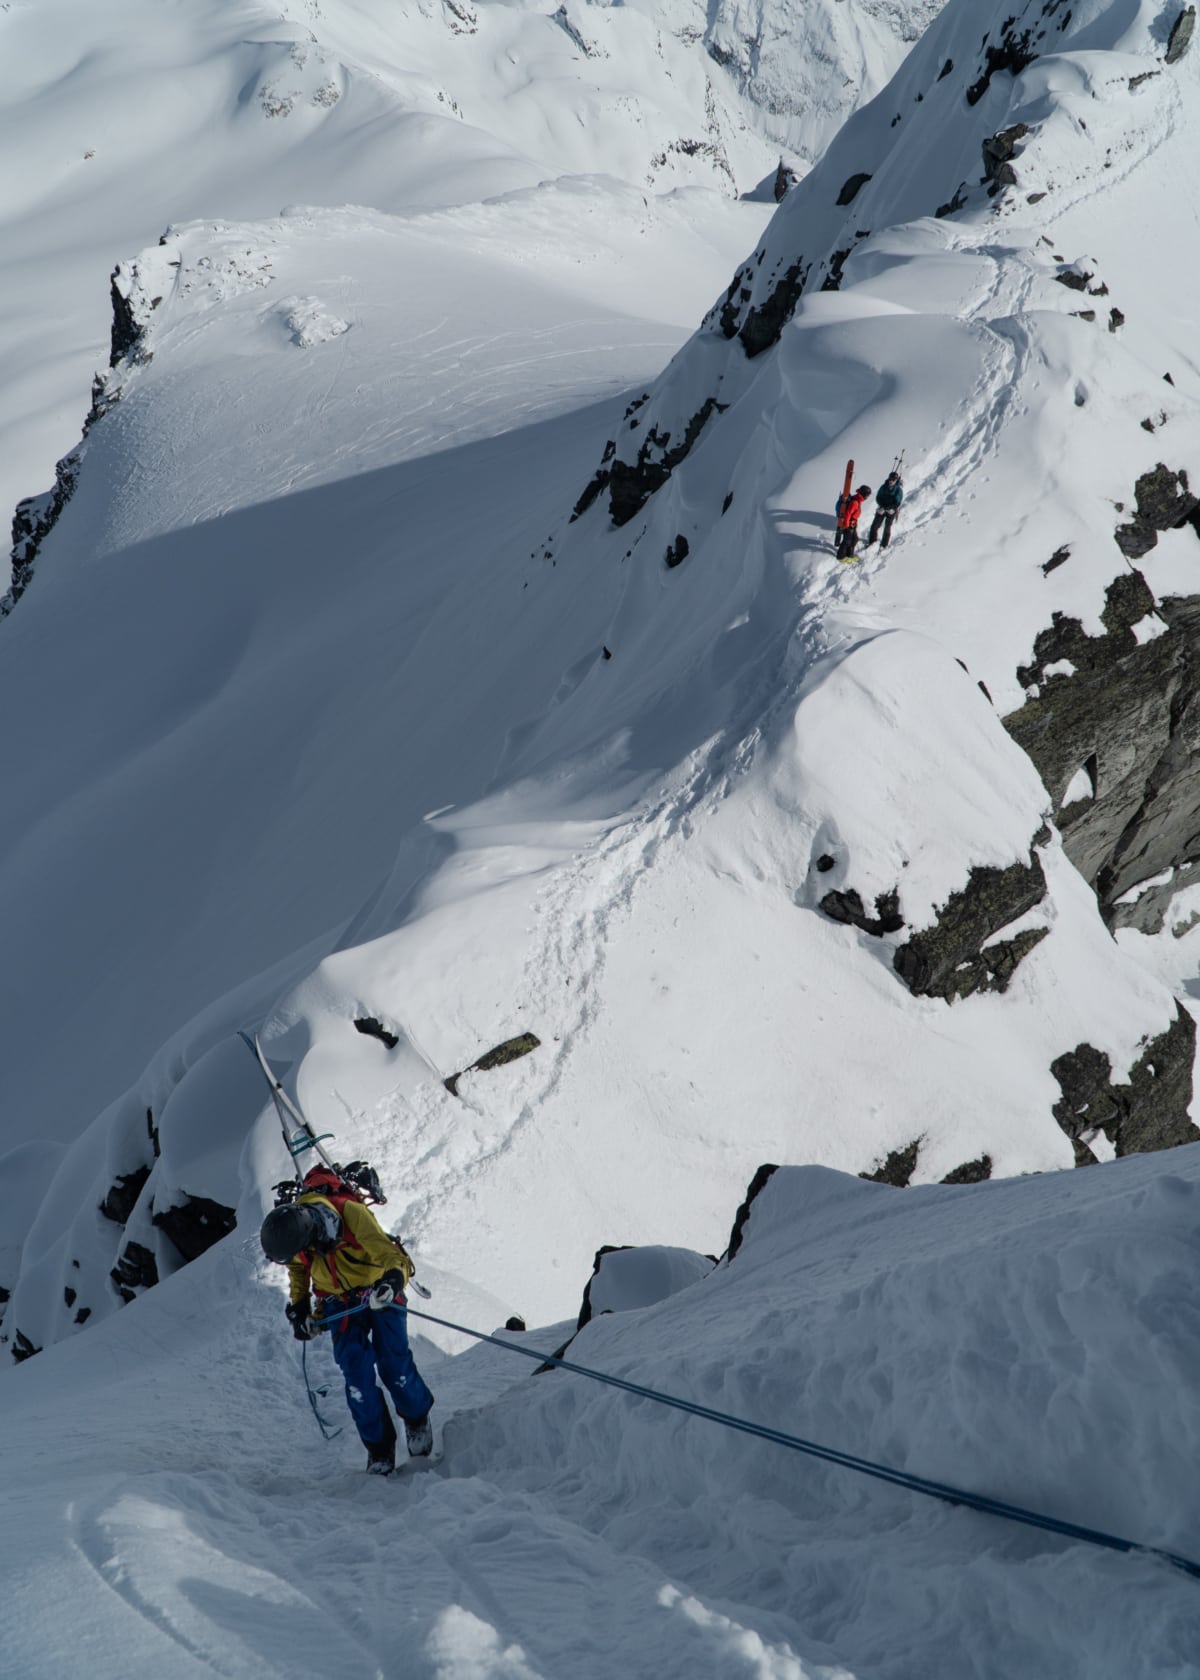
(166, 1486)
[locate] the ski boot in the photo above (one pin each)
(420, 1437)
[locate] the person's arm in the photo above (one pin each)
(298, 1282)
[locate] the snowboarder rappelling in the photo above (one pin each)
(887, 506)
(849, 512)
(334, 1248)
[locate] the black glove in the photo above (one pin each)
(388, 1290)
(299, 1316)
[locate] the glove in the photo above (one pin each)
(387, 1291)
(299, 1316)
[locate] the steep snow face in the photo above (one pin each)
(132, 115)
(172, 1508)
(740, 840)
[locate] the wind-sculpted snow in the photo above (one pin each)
(172, 1505)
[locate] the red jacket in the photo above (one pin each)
(851, 509)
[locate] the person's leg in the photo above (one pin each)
(875, 524)
(889, 521)
(410, 1395)
(352, 1349)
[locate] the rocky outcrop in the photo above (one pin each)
(36, 516)
(136, 1269)
(121, 1197)
(1148, 1111)
(510, 1051)
(1112, 723)
(761, 1177)
(998, 153)
(194, 1225)
(1164, 503)
(631, 484)
(898, 1168)
(959, 954)
(1182, 31)
(848, 907)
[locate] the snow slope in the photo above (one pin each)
(358, 751)
(167, 1490)
(119, 119)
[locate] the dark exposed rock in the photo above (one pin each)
(898, 1168)
(5, 1295)
(826, 863)
(82, 1316)
(971, 1172)
(126, 333)
(69, 1296)
(371, 1028)
(727, 503)
(1058, 558)
(952, 959)
(631, 486)
(761, 1177)
(599, 479)
(136, 1268)
(606, 653)
(1182, 31)
(953, 204)
(510, 1051)
(848, 907)
(852, 188)
(1148, 1112)
(677, 552)
(1075, 279)
(1084, 314)
(833, 279)
(946, 69)
(1164, 503)
(1116, 319)
(152, 1132)
(514, 1323)
(23, 1348)
(1130, 715)
(121, 1198)
(585, 1310)
(1013, 52)
(998, 153)
(765, 322)
(195, 1224)
(785, 180)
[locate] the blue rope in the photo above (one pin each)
(326, 1429)
(899, 1478)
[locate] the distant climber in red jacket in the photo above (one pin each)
(849, 512)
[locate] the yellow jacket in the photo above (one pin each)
(360, 1259)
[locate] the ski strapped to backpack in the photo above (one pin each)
(844, 499)
(356, 1181)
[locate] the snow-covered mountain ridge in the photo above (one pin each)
(717, 834)
(121, 119)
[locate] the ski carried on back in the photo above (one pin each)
(842, 503)
(305, 1139)
(357, 1177)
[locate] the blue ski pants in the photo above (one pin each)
(371, 1342)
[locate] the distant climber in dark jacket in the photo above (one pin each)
(887, 506)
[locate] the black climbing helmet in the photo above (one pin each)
(286, 1231)
(863, 490)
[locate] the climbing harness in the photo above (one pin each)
(881, 1472)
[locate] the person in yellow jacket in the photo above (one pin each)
(335, 1249)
